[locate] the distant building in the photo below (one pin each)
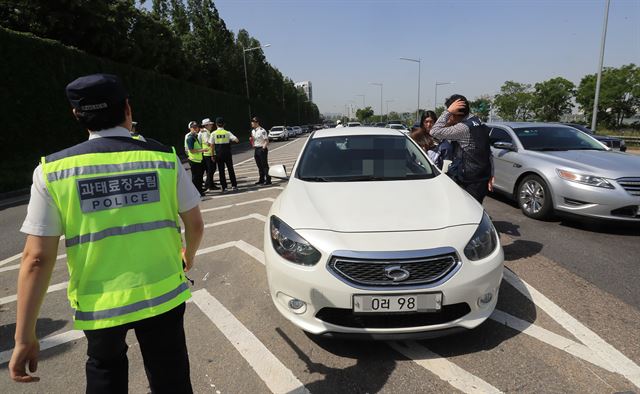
(306, 87)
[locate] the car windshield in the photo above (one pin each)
(276, 128)
(363, 158)
(555, 139)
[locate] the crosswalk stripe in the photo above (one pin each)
(14, 298)
(443, 368)
(277, 377)
(47, 343)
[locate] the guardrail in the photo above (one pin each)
(629, 140)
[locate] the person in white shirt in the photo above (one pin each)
(207, 157)
(260, 141)
(339, 123)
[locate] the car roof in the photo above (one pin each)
(345, 131)
(525, 124)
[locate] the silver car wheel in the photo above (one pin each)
(532, 197)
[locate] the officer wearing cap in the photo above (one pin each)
(117, 201)
(195, 150)
(221, 140)
(207, 157)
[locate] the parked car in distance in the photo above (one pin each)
(339, 265)
(398, 126)
(611, 142)
(549, 167)
(380, 124)
(354, 124)
(278, 133)
(297, 130)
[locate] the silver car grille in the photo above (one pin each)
(631, 185)
(422, 271)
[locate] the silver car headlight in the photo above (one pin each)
(590, 180)
(290, 245)
(483, 242)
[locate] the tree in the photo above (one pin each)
(552, 99)
(363, 114)
(481, 106)
(619, 94)
(514, 101)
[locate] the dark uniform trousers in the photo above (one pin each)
(210, 168)
(164, 351)
(261, 157)
(224, 158)
(197, 171)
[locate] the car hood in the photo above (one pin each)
(381, 206)
(609, 164)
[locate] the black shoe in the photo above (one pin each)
(235, 188)
(215, 187)
(258, 183)
(267, 183)
(203, 194)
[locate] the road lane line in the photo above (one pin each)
(11, 259)
(13, 298)
(262, 189)
(215, 248)
(47, 343)
(550, 338)
(277, 377)
(602, 349)
(443, 368)
(251, 250)
(271, 151)
(17, 266)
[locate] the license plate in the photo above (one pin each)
(431, 302)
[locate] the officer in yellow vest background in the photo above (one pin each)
(221, 140)
(117, 201)
(195, 152)
(208, 156)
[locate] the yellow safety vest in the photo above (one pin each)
(195, 157)
(222, 136)
(205, 142)
(119, 211)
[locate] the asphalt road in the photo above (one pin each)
(567, 318)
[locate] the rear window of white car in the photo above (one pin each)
(363, 158)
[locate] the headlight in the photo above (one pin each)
(290, 245)
(483, 242)
(590, 180)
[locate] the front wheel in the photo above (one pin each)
(534, 197)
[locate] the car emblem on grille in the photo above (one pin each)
(396, 273)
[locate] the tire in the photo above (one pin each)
(534, 197)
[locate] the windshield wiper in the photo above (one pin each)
(315, 179)
(586, 149)
(360, 178)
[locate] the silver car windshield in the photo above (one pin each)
(555, 139)
(363, 158)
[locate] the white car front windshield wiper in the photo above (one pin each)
(315, 179)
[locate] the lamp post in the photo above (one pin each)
(379, 84)
(435, 99)
(594, 117)
(419, 61)
(244, 61)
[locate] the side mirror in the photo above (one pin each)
(504, 145)
(279, 172)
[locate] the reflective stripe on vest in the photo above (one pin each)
(119, 212)
(222, 136)
(195, 157)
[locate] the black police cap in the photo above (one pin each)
(96, 93)
(220, 120)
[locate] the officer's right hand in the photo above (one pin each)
(23, 354)
(186, 261)
(457, 107)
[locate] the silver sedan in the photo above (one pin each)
(549, 167)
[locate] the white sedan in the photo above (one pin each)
(370, 239)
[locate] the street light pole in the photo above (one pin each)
(379, 84)
(435, 99)
(594, 117)
(419, 61)
(246, 79)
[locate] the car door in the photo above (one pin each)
(505, 162)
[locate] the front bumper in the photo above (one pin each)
(329, 301)
(596, 202)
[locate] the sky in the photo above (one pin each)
(343, 45)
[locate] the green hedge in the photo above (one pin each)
(36, 119)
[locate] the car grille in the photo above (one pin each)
(346, 317)
(421, 271)
(631, 185)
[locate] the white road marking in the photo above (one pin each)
(13, 298)
(602, 349)
(262, 189)
(550, 338)
(47, 343)
(443, 368)
(272, 371)
(11, 259)
(17, 266)
(267, 199)
(251, 250)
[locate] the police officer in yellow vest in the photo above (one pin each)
(208, 156)
(195, 152)
(221, 140)
(117, 201)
